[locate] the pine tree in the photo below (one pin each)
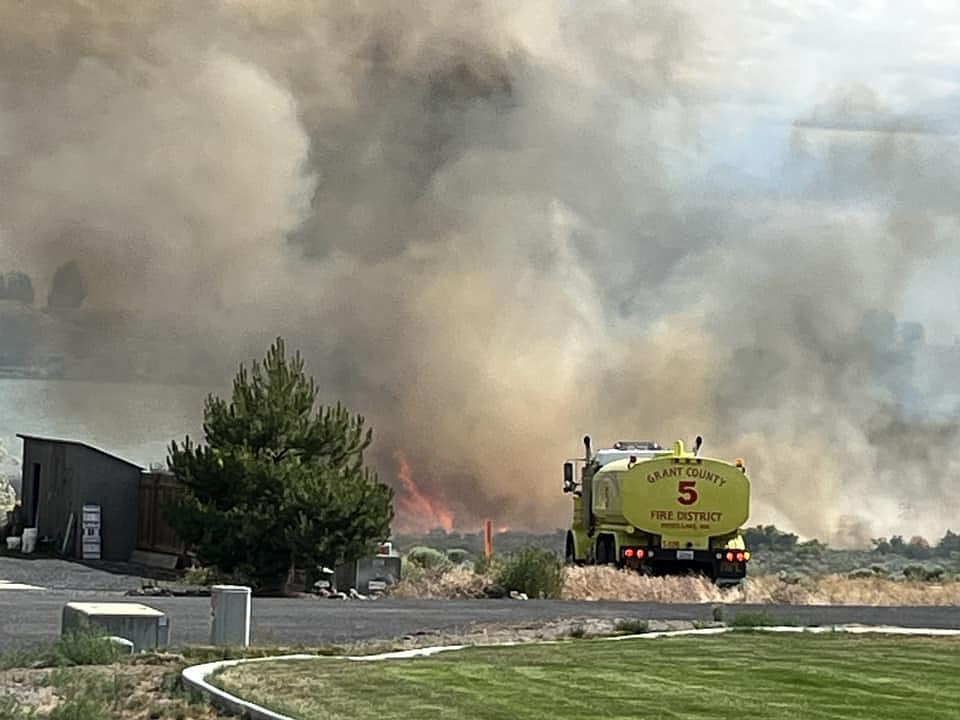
(18, 287)
(280, 482)
(69, 289)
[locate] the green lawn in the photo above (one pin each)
(741, 675)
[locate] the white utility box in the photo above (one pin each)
(90, 532)
(369, 575)
(230, 607)
(146, 627)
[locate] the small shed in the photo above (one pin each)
(61, 476)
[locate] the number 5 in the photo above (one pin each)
(688, 495)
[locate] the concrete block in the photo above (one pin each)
(146, 627)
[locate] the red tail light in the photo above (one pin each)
(628, 553)
(740, 557)
(640, 553)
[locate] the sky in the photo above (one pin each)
(492, 228)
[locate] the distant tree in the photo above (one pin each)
(880, 545)
(948, 543)
(19, 287)
(918, 548)
(811, 549)
(69, 289)
(280, 482)
(769, 537)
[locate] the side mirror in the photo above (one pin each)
(568, 476)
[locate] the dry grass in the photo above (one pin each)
(30, 688)
(595, 583)
(455, 584)
(840, 590)
(605, 583)
(139, 689)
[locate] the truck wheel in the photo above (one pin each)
(605, 550)
(570, 555)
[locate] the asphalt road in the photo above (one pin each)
(27, 617)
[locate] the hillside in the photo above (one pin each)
(92, 344)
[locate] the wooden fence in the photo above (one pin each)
(157, 489)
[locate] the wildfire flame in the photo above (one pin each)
(416, 512)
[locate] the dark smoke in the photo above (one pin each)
(471, 218)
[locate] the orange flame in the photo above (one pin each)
(415, 511)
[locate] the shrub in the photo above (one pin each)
(535, 572)
(457, 556)
(632, 626)
(914, 572)
(861, 573)
(481, 565)
(205, 576)
(427, 558)
(85, 648)
(759, 619)
(79, 647)
(933, 574)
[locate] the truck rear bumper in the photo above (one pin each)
(669, 561)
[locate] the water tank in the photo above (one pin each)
(230, 607)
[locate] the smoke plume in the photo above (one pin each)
(491, 229)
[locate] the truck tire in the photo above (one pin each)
(605, 550)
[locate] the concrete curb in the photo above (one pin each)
(196, 676)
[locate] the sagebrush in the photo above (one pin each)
(75, 648)
(535, 572)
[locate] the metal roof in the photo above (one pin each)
(78, 443)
